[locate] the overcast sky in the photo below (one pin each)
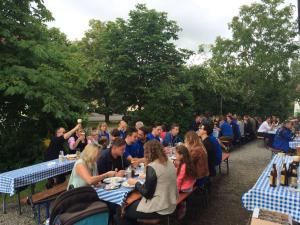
(201, 20)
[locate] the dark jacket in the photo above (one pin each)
(147, 190)
(171, 140)
(107, 163)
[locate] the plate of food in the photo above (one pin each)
(125, 184)
(112, 186)
(71, 156)
(113, 180)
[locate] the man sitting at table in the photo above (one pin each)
(265, 127)
(113, 159)
(132, 149)
(172, 137)
(283, 136)
(56, 145)
(155, 133)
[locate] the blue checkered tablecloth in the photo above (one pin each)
(296, 142)
(11, 180)
(281, 199)
(117, 196)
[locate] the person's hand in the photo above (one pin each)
(81, 137)
(111, 173)
(78, 126)
(135, 162)
(132, 181)
(120, 173)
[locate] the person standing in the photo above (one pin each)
(56, 145)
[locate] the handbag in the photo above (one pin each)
(131, 197)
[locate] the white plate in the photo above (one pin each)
(113, 180)
(125, 184)
(112, 186)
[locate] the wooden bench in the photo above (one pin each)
(182, 197)
(225, 158)
(44, 198)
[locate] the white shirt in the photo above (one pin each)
(264, 127)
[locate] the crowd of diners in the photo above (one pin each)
(278, 135)
(197, 154)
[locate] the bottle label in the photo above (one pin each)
(294, 181)
(271, 180)
(282, 180)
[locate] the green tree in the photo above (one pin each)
(258, 57)
(40, 81)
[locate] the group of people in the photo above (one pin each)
(279, 135)
(108, 154)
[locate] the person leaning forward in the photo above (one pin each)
(113, 159)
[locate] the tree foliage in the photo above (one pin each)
(38, 73)
(258, 57)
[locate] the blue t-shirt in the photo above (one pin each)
(104, 134)
(218, 147)
(122, 134)
(134, 151)
(150, 136)
(226, 130)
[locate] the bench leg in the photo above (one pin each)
(19, 203)
(4, 203)
(227, 162)
(39, 214)
(47, 209)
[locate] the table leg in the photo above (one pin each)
(32, 187)
(19, 203)
(4, 202)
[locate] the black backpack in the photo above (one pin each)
(76, 204)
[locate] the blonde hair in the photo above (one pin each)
(90, 154)
(102, 124)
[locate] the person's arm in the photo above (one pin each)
(149, 187)
(71, 132)
(181, 176)
(82, 171)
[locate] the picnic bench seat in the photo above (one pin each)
(44, 198)
(225, 158)
(182, 197)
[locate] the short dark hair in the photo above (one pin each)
(208, 127)
(145, 130)
(130, 131)
(174, 125)
(115, 132)
(118, 142)
(156, 124)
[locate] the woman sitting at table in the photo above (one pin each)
(198, 154)
(85, 171)
(159, 192)
(283, 136)
(185, 170)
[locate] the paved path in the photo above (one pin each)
(225, 208)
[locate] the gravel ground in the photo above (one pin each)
(225, 206)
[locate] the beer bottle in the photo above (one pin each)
(294, 177)
(283, 175)
(273, 176)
